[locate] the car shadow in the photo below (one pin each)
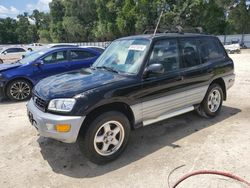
(5, 100)
(66, 159)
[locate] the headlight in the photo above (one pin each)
(61, 105)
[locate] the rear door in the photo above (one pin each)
(82, 58)
(194, 73)
(53, 63)
(162, 93)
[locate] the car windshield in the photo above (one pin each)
(123, 56)
(30, 57)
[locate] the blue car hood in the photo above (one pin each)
(73, 83)
(4, 67)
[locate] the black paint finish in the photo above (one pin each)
(94, 88)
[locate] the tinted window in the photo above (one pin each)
(14, 50)
(56, 57)
(165, 52)
(80, 55)
(189, 52)
(20, 50)
(210, 49)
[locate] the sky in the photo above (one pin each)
(11, 8)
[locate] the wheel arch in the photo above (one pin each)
(221, 82)
(115, 106)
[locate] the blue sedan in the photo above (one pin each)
(17, 79)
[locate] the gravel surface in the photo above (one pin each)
(222, 143)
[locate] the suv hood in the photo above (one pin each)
(4, 67)
(69, 84)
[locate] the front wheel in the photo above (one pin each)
(106, 137)
(212, 102)
(19, 90)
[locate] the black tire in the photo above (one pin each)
(1, 61)
(23, 94)
(205, 110)
(86, 140)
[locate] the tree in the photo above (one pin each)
(57, 12)
(106, 28)
(80, 17)
(7, 31)
(239, 17)
(24, 30)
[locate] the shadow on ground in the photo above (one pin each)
(66, 159)
(5, 100)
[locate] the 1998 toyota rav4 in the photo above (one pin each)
(137, 81)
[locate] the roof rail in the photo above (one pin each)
(177, 29)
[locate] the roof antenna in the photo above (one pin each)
(163, 9)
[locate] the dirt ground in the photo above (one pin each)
(222, 143)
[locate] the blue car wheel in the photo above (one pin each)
(19, 90)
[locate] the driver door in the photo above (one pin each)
(53, 63)
(162, 93)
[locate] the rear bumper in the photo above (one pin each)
(45, 124)
(229, 80)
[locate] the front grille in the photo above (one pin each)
(40, 103)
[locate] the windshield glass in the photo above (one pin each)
(124, 56)
(30, 57)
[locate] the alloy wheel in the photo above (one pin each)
(214, 100)
(20, 90)
(109, 138)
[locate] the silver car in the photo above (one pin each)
(11, 54)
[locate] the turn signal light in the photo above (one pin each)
(63, 127)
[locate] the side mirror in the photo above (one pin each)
(38, 63)
(154, 69)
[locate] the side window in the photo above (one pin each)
(55, 57)
(189, 52)
(80, 55)
(14, 50)
(11, 50)
(165, 52)
(20, 50)
(210, 49)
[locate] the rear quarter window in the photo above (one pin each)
(210, 49)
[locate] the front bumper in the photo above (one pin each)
(44, 122)
(2, 91)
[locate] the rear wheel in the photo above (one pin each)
(212, 102)
(106, 137)
(19, 90)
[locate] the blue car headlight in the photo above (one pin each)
(61, 105)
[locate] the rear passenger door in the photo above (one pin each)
(195, 74)
(161, 93)
(82, 58)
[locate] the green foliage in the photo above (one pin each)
(240, 19)
(102, 20)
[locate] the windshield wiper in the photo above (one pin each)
(106, 68)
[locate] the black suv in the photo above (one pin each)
(137, 81)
